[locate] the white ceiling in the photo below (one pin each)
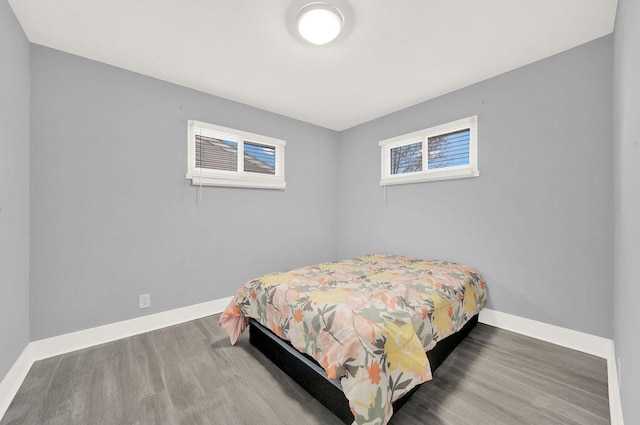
(397, 52)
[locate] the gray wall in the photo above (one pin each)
(627, 202)
(14, 189)
(113, 215)
(538, 222)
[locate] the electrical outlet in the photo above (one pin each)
(144, 301)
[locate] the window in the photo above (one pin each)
(219, 156)
(448, 151)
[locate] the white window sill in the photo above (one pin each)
(429, 176)
(212, 181)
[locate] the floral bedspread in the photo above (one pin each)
(367, 320)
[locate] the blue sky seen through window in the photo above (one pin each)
(259, 158)
(406, 158)
(266, 154)
(445, 150)
(449, 150)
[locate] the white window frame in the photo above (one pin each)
(425, 175)
(240, 178)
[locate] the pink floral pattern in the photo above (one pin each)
(367, 320)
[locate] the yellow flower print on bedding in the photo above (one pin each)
(470, 304)
(403, 349)
(372, 258)
(424, 266)
(331, 296)
(332, 266)
(367, 320)
(277, 279)
(442, 315)
(383, 277)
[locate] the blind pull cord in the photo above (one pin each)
(200, 186)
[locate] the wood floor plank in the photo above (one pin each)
(493, 371)
(34, 387)
(189, 374)
(535, 382)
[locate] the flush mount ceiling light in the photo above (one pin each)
(319, 23)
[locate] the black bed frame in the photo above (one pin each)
(310, 376)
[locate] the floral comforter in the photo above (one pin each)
(367, 320)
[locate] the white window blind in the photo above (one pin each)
(447, 151)
(220, 156)
(259, 158)
(216, 154)
(406, 158)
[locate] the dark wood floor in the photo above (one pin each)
(189, 374)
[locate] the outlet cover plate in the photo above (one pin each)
(144, 301)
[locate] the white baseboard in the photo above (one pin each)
(10, 385)
(564, 337)
(66, 343)
(44, 348)
(615, 403)
(580, 341)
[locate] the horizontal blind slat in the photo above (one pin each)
(216, 154)
(449, 150)
(406, 158)
(259, 158)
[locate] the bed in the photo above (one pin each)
(368, 322)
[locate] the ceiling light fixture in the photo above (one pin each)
(320, 23)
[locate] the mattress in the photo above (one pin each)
(368, 321)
